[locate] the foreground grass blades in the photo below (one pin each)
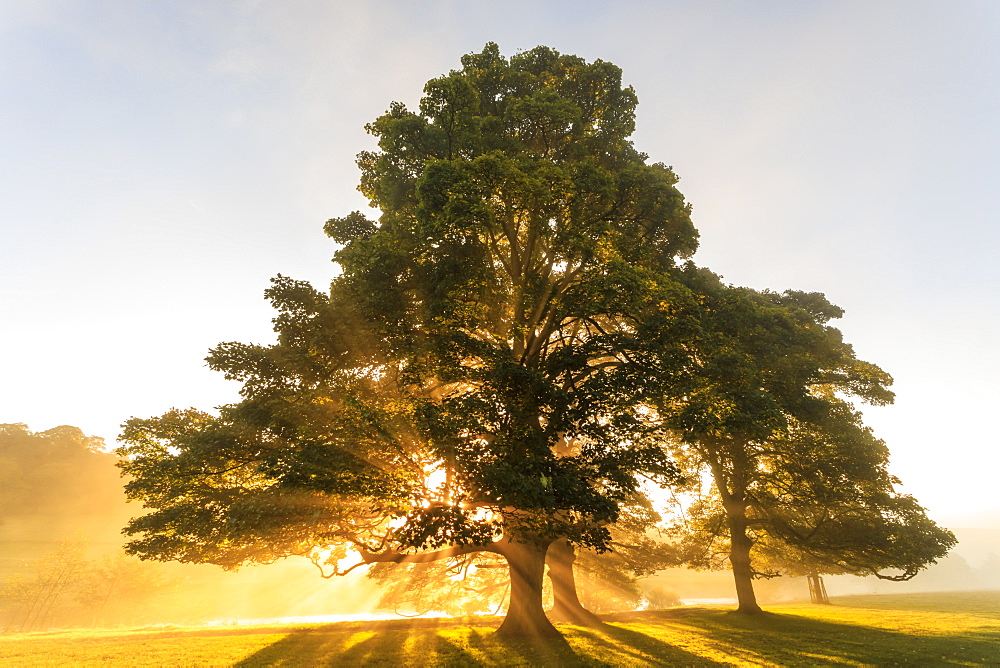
(960, 629)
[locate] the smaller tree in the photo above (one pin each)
(585, 581)
(825, 504)
(755, 408)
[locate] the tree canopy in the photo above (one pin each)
(512, 354)
(454, 389)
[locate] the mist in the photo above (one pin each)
(62, 509)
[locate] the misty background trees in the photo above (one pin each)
(59, 476)
(62, 564)
(56, 488)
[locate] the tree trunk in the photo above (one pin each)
(739, 558)
(525, 615)
(817, 590)
(566, 606)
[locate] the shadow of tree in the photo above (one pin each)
(388, 643)
(684, 637)
(621, 647)
(790, 640)
(426, 643)
(456, 643)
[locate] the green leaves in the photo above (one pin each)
(509, 350)
(350, 227)
(760, 409)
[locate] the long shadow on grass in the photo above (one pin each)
(687, 637)
(388, 643)
(616, 646)
(444, 642)
(422, 642)
(792, 640)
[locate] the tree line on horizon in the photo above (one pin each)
(55, 485)
(517, 356)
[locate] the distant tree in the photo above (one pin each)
(988, 573)
(658, 596)
(843, 516)
(453, 393)
(63, 588)
(826, 504)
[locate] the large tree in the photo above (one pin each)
(455, 389)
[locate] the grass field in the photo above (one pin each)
(946, 629)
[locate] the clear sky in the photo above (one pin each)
(159, 162)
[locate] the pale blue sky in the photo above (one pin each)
(160, 161)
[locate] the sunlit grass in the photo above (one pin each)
(953, 629)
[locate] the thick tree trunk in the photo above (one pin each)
(525, 615)
(817, 590)
(566, 606)
(739, 558)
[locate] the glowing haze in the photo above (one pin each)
(160, 161)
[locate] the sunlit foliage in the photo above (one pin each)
(512, 355)
(474, 329)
